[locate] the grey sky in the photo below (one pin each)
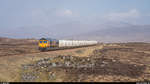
(37, 18)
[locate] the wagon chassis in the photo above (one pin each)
(63, 48)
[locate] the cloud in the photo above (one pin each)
(64, 13)
(47, 17)
(68, 12)
(121, 16)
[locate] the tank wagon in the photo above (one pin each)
(53, 44)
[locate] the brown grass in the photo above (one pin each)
(114, 62)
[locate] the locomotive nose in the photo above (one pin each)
(43, 44)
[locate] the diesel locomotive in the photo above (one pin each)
(53, 44)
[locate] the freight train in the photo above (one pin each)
(53, 44)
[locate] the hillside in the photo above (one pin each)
(9, 46)
(127, 33)
(102, 63)
(5, 40)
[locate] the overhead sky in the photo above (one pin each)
(16, 14)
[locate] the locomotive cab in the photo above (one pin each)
(48, 44)
(43, 44)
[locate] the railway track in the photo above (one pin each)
(64, 48)
(51, 50)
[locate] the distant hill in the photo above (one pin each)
(125, 33)
(5, 40)
(103, 32)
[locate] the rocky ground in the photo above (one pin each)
(96, 67)
(102, 63)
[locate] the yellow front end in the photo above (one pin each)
(43, 44)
